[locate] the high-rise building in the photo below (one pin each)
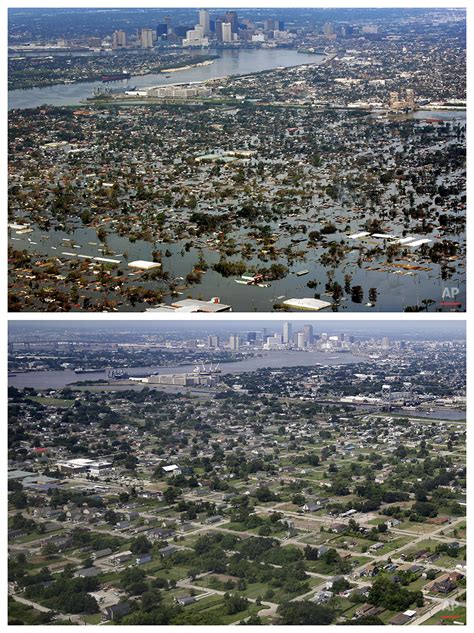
(146, 38)
(308, 334)
(231, 16)
(226, 32)
(181, 31)
(119, 39)
(385, 342)
(161, 30)
(301, 344)
(218, 28)
(287, 333)
(213, 341)
(205, 21)
(281, 25)
(328, 29)
(195, 37)
(347, 30)
(269, 25)
(234, 342)
(251, 337)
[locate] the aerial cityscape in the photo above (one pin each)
(237, 472)
(217, 160)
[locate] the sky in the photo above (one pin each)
(406, 329)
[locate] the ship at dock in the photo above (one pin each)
(312, 51)
(115, 77)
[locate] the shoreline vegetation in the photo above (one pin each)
(45, 80)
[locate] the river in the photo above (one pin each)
(230, 62)
(275, 360)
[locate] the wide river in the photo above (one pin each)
(230, 62)
(275, 360)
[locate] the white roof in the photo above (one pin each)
(420, 242)
(383, 235)
(170, 468)
(306, 304)
(194, 305)
(356, 236)
(404, 240)
(142, 264)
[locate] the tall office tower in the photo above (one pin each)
(251, 337)
(269, 25)
(347, 30)
(281, 25)
(218, 28)
(161, 30)
(301, 341)
(324, 336)
(328, 29)
(119, 39)
(226, 32)
(234, 342)
(182, 30)
(146, 38)
(287, 333)
(231, 16)
(308, 334)
(410, 99)
(342, 337)
(351, 339)
(213, 341)
(205, 21)
(385, 342)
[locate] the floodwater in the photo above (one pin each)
(395, 291)
(275, 360)
(230, 62)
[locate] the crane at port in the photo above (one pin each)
(202, 369)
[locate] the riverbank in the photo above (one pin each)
(69, 77)
(226, 63)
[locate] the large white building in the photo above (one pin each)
(226, 32)
(287, 333)
(119, 39)
(84, 465)
(196, 37)
(179, 92)
(146, 38)
(205, 21)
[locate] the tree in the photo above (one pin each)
(18, 500)
(140, 545)
(304, 613)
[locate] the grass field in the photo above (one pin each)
(448, 616)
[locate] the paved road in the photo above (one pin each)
(39, 607)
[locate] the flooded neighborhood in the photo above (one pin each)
(329, 175)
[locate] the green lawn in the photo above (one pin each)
(213, 606)
(92, 619)
(19, 613)
(448, 616)
(391, 545)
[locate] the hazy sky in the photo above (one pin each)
(407, 329)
